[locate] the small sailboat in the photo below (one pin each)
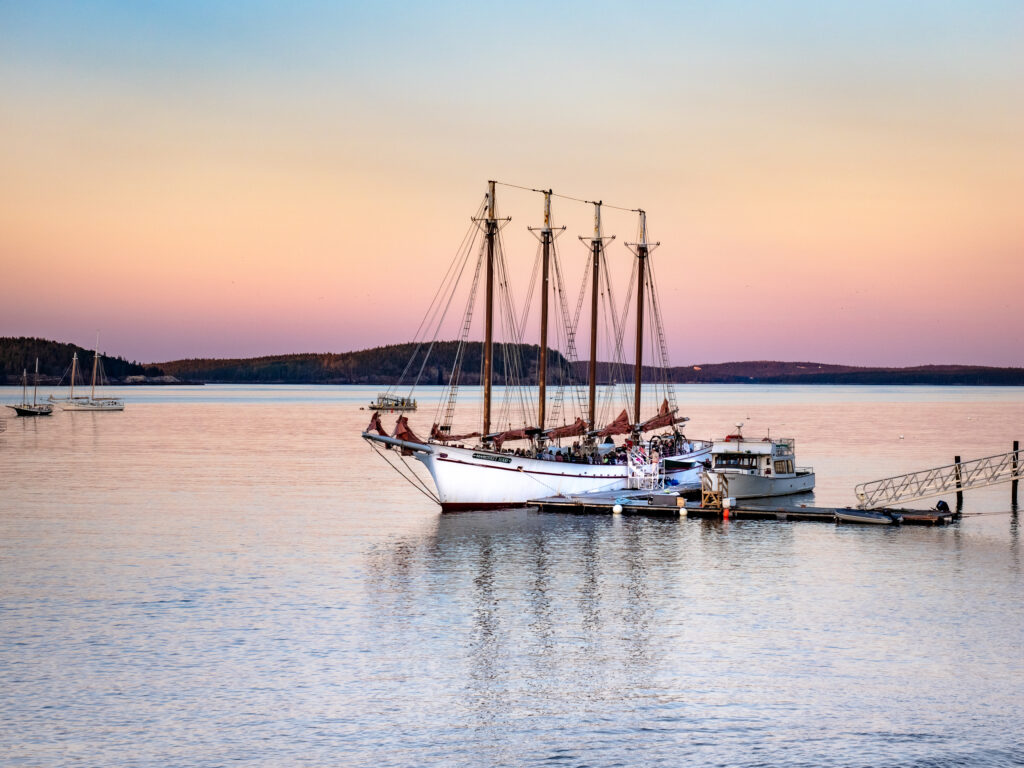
(90, 403)
(35, 408)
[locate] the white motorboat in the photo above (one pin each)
(475, 470)
(745, 468)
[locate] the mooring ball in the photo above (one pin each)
(617, 509)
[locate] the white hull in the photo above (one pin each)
(92, 405)
(742, 486)
(479, 479)
(468, 479)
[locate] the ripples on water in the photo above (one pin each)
(229, 576)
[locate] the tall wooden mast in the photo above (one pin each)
(595, 246)
(95, 364)
(491, 232)
(643, 250)
(542, 363)
(641, 279)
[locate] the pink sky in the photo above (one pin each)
(836, 185)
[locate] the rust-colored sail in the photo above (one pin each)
(512, 434)
(403, 432)
(665, 418)
(375, 424)
(620, 426)
(442, 437)
(579, 427)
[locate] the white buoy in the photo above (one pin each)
(617, 509)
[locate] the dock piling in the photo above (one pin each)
(959, 487)
(1013, 483)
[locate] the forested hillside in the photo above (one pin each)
(386, 365)
(18, 353)
(380, 365)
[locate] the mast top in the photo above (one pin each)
(490, 201)
(644, 246)
(547, 210)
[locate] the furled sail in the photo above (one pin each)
(403, 432)
(513, 434)
(375, 424)
(443, 437)
(579, 427)
(620, 426)
(665, 418)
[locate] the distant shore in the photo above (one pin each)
(385, 366)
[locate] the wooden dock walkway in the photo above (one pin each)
(673, 505)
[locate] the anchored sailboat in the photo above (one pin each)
(488, 475)
(90, 403)
(35, 408)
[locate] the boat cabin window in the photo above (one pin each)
(784, 467)
(736, 460)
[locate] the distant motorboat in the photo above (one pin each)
(746, 468)
(387, 403)
(90, 403)
(35, 408)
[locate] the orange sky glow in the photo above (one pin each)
(837, 183)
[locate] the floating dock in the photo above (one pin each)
(672, 505)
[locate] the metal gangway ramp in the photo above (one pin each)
(977, 473)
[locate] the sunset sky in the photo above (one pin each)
(837, 182)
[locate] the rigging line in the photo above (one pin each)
(467, 244)
(657, 389)
(459, 254)
(670, 390)
(440, 320)
(567, 197)
(570, 341)
(614, 370)
(394, 466)
(620, 337)
(422, 484)
(618, 361)
(451, 296)
(533, 284)
(526, 402)
(564, 375)
(451, 393)
(587, 269)
(509, 333)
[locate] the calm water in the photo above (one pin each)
(228, 575)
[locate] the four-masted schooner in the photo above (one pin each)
(485, 474)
